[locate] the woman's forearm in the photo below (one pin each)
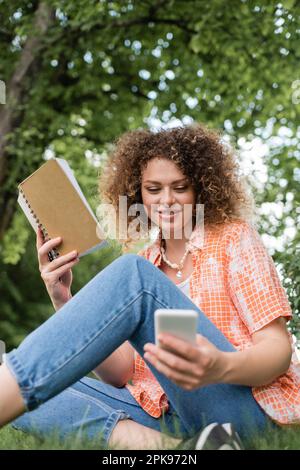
(258, 365)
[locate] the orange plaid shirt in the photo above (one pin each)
(236, 285)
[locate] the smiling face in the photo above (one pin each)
(167, 195)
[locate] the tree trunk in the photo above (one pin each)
(10, 113)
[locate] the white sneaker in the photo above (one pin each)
(215, 436)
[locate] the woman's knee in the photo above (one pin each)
(130, 260)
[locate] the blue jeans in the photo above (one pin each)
(118, 304)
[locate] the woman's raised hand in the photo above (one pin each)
(56, 274)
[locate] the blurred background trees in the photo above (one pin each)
(78, 74)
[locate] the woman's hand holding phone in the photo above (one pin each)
(56, 274)
(189, 364)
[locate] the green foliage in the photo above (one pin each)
(15, 240)
(106, 67)
(291, 282)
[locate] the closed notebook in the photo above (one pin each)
(52, 198)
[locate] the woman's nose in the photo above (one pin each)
(167, 197)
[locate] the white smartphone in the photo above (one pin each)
(179, 322)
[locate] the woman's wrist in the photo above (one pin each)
(59, 305)
(228, 365)
(224, 368)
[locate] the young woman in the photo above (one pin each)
(239, 372)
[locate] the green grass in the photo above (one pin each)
(279, 439)
(10, 439)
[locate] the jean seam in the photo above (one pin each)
(113, 416)
(136, 404)
(156, 299)
(89, 398)
(18, 372)
(111, 423)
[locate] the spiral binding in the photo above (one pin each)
(53, 253)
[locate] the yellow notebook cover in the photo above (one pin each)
(52, 197)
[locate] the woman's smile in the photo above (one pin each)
(168, 216)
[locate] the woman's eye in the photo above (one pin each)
(183, 188)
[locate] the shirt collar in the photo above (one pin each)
(195, 242)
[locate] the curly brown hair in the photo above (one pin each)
(202, 156)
